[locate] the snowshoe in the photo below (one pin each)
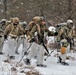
(27, 61)
(64, 63)
(41, 65)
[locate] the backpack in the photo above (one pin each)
(31, 24)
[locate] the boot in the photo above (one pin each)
(27, 61)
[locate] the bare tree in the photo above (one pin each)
(55, 11)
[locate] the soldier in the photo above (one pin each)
(12, 31)
(65, 38)
(71, 34)
(37, 36)
(2, 28)
(51, 40)
(74, 36)
(22, 39)
(1, 40)
(3, 23)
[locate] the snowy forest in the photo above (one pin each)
(55, 11)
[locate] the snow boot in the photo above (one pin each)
(27, 61)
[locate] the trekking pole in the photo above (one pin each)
(23, 40)
(24, 55)
(51, 52)
(49, 55)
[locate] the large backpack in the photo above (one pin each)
(31, 24)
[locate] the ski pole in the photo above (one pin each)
(49, 55)
(24, 55)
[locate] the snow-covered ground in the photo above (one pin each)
(53, 68)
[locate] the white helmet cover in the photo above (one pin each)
(69, 22)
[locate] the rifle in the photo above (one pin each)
(45, 48)
(42, 43)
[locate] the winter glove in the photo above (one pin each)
(56, 33)
(25, 53)
(32, 40)
(0, 36)
(5, 37)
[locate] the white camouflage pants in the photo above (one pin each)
(1, 43)
(63, 56)
(36, 50)
(11, 44)
(24, 43)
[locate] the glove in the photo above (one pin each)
(32, 40)
(0, 36)
(56, 33)
(25, 53)
(46, 53)
(5, 37)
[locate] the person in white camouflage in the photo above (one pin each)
(12, 31)
(65, 37)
